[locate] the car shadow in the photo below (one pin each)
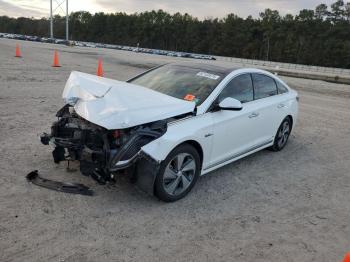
(232, 179)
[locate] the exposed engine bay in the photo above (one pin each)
(101, 152)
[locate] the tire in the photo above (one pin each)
(282, 135)
(178, 173)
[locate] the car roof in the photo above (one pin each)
(225, 70)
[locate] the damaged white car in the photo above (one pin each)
(171, 124)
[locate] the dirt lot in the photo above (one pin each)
(287, 206)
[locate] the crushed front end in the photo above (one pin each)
(101, 152)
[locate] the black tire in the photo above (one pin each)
(282, 135)
(164, 183)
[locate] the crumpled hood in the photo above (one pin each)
(115, 104)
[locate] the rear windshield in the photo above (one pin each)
(188, 83)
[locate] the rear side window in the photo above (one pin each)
(281, 88)
(264, 86)
(240, 88)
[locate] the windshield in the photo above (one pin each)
(188, 83)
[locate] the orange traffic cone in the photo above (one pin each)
(100, 68)
(18, 51)
(347, 258)
(55, 60)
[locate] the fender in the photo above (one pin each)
(197, 128)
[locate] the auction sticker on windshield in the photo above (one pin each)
(189, 97)
(207, 75)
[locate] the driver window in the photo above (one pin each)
(240, 88)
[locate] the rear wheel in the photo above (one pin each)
(282, 135)
(178, 173)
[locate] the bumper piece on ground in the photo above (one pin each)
(70, 188)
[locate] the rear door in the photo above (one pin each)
(269, 107)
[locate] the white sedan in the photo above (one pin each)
(171, 124)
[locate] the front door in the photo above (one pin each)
(235, 132)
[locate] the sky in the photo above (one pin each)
(199, 8)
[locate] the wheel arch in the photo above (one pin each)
(290, 117)
(197, 146)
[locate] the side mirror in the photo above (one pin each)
(231, 104)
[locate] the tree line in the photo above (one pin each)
(314, 37)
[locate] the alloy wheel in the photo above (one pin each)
(179, 174)
(283, 134)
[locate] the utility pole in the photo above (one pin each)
(268, 49)
(51, 20)
(58, 5)
(67, 22)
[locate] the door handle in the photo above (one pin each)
(254, 115)
(281, 105)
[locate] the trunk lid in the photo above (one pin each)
(115, 104)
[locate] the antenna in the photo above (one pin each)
(56, 7)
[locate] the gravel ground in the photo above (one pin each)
(286, 206)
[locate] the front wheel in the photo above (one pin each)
(282, 135)
(178, 173)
